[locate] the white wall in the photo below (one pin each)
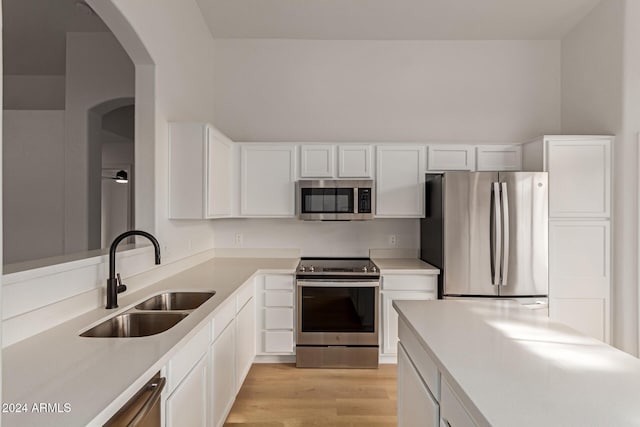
(345, 90)
(318, 238)
(33, 92)
(33, 190)
(600, 96)
(97, 70)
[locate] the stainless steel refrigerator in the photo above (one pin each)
(488, 233)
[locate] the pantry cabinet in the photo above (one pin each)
(400, 172)
(200, 173)
(267, 180)
(579, 170)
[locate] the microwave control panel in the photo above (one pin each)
(364, 200)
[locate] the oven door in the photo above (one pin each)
(338, 312)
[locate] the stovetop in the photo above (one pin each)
(337, 267)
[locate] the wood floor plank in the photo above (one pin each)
(281, 395)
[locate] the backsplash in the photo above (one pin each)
(318, 238)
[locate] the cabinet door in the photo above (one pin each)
(452, 412)
(579, 275)
(267, 180)
(245, 341)
(400, 181)
(224, 379)
(579, 178)
(218, 175)
(187, 405)
(499, 158)
(354, 161)
(317, 161)
(416, 405)
(451, 157)
(390, 316)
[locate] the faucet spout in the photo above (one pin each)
(113, 283)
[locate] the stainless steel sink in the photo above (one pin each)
(176, 301)
(135, 325)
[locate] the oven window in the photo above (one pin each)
(327, 200)
(338, 309)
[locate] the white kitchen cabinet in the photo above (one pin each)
(416, 405)
(400, 173)
(451, 157)
(401, 287)
(200, 174)
(498, 157)
(187, 405)
(267, 180)
(452, 411)
(275, 300)
(224, 378)
(245, 324)
(579, 170)
(354, 161)
(317, 161)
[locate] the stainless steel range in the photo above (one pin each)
(337, 315)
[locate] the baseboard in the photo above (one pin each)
(275, 358)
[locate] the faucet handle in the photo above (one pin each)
(121, 288)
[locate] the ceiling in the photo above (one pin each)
(394, 19)
(34, 40)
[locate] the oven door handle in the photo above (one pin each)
(338, 284)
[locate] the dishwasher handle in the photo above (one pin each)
(155, 385)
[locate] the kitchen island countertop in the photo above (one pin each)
(513, 366)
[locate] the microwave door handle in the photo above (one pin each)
(356, 200)
(505, 245)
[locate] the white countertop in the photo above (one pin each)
(59, 366)
(404, 266)
(516, 367)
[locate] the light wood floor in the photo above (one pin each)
(280, 395)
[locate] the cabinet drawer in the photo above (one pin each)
(278, 341)
(451, 410)
(186, 358)
(410, 282)
(424, 364)
(278, 318)
(278, 299)
(245, 293)
(223, 317)
(278, 282)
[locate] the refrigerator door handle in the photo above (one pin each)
(496, 235)
(505, 245)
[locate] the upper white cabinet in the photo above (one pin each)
(451, 157)
(200, 159)
(499, 157)
(400, 174)
(320, 160)
(354, 161)
(267, 180)
(317, 161)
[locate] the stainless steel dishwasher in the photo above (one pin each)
(143, 409)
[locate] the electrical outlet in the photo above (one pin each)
(393, 239)
(238, 240)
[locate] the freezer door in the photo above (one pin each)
(467, 233)
(524, 266)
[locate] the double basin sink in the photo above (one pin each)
(152, 316)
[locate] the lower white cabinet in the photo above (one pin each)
(187, 405)
(275, 298)
(416, 405)
(401, 287)
(245, 325)
(452, 412)
(224, 379)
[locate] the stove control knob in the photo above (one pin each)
(365, 269)
(312, 268)
(303, 268)
(373, 269)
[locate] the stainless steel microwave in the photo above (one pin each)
(335, 199)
